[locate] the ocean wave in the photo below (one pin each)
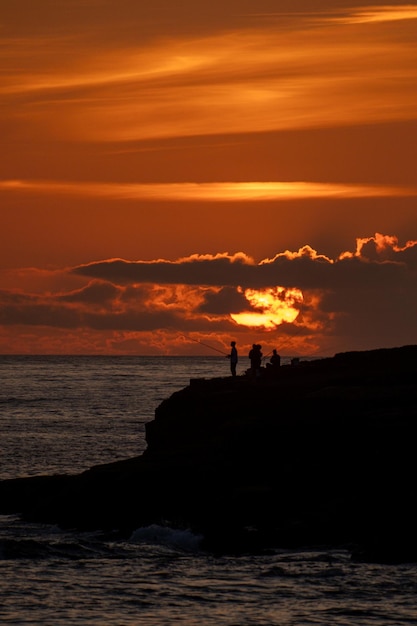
(166, 536)
(17, 549)
(77, 549)
(21, 401)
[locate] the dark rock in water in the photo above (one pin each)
(318, 453)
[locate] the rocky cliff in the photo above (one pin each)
(317, 453)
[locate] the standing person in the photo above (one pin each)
(255, 356)
(233, 358)
(258, 360)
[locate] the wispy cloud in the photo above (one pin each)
(210, 192)
(243, 80)
(383, 13)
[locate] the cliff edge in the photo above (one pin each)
(317, 453)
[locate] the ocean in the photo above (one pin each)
(64, 414)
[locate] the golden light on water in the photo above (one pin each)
(273, 306)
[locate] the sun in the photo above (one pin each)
(273, 306)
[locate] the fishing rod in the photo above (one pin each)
(204, 344)
(279, 349)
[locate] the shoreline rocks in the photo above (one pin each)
(318, 453)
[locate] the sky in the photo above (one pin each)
(177, 175)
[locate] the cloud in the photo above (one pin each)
(237, 79)
(210, 192)
(304, 269)
(222, 301)
(24, 310)
(207, 270)
(363, 298)
(386, 248)
(96, 292)
(377, 14)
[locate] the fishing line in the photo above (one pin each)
(204, 344)
(285, 344)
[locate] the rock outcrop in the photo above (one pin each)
(317, 453)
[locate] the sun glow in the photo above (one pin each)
(273, 307)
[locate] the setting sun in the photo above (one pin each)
(273, 307)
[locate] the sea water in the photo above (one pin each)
(65, 414)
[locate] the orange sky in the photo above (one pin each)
(175, 172)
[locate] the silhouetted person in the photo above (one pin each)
(252, 356)
(233, 358)
(275, 359)
(258, 360)
(255, 356)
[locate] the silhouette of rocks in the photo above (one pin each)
(316, 453)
